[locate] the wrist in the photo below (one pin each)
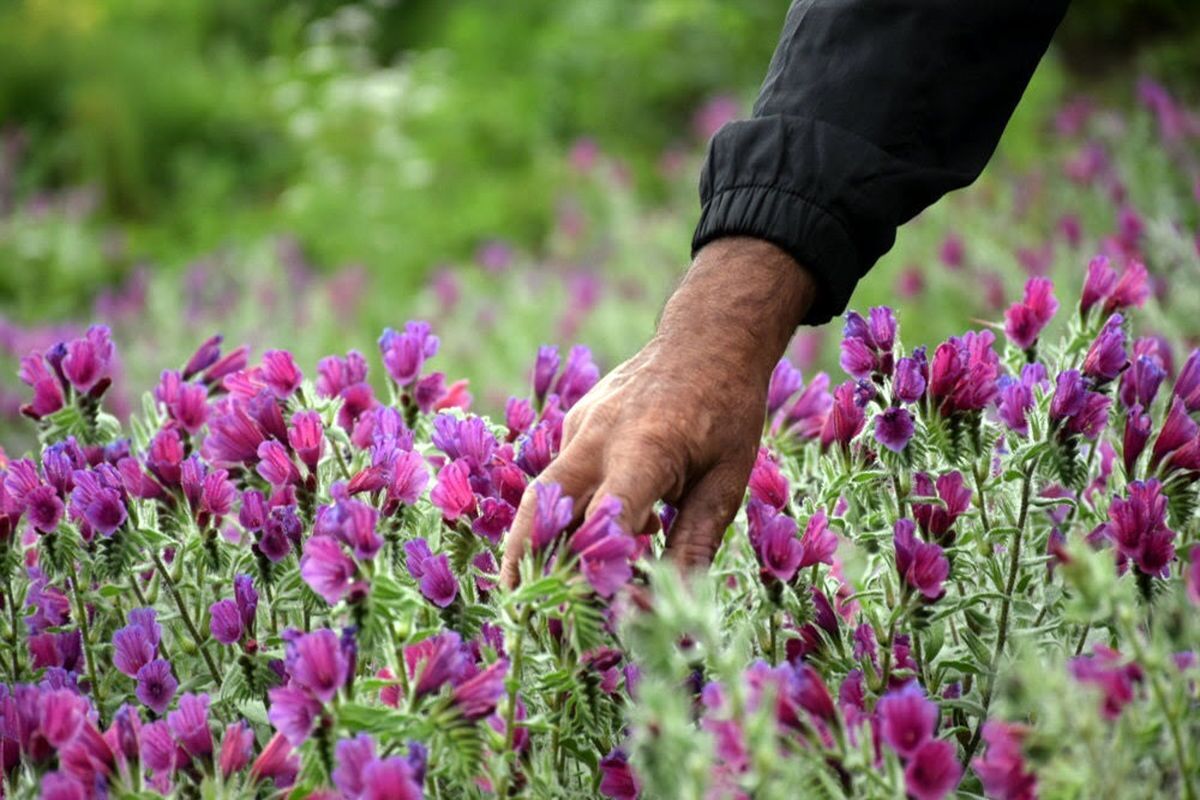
(743, 299)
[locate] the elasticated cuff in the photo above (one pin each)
(811, 235)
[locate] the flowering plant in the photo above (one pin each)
(967, 569)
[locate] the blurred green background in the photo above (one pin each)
(301, 174)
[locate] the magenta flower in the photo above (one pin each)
(907, 719)
(452, 493)
(409, 478)
(134, 646)
(47, 391)
(437, 583)
(317, 663)
(159, 751)
(404, 354)
(964, 372)
(61, 714)
(464, 439)
(186, 403)
(1178, 431)
(767, 483)
(335, 374)
(805, 416)
(617, 779)
(246, 599)
(280, 373)
(1111, 674)
(1069, 397)
(327, 569)
(1106, 357)
(391, 778)
(894, 428)
(275, 464)
(778, 549)
(818, 541)
(352, 756)
(858, 359)
(156, 685)
(1002, 769)
(922, 566)
(280, 532)
(1016, 400)
(88, 360)
(307, 438)
(237, 748)
(495, 518)
(552, 514)
(953, 252)
(936, 521)
(1024, 321)
(1138, 527)
(476, 697)
(189, 725)
(225, 622)
(1101, 278)
(233, 437)
(1187, 383)
(933, 771)
(846, 418)
(1132, 290)
(519, 416)
(44, 509)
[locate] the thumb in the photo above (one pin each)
(704, 515)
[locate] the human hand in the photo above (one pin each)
(682, 419)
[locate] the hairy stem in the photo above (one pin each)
(86, 635)
(186, 617)
(510, 713)
(1014, 568)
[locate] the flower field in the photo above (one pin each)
(973, 567)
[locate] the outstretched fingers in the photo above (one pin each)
(704, 515)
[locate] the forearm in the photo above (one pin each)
(739, 303)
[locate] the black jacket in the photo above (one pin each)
(871, 110)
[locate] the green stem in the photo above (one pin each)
(186, 617)
(86, 634)
(1014, 567)
(13, 636)
(510, 713)
(983, 512)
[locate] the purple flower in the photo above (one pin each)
(1093, 417)
(858, 359)
(818, 541)
(907, 719)
(317, 664)
(468, 439)
(1070, 395)
(536, 450)
(579, 375)
(604, 549)
(1106, 357)
(1109, 672)
(1024, 321)
(327, 569)
(519, 416)
(933, 771)
(352, 756)
(436, 661)
(846, 418)
(1178, 431)
(909, 380)
(786, 380)
(922, 566)
(1187, 384)
(552, 514)
(44, 509)
(495, 517)
(88, 360)
(237, 748)
(334, 374)
(1139, 383)
(1101, 278)
(159, 751)
(964, 373)
(1138, 527)
(281, 529)
(893, 428)
(133, 648)
(617, 780)
(205, 356)
(280, 373)
(544, 371)
(1002, 769)
(404, 354)
(452, 493)
(233, 437)
(156, 685)
(1137, 432)
(476, 696)
(189, 725)
(391, 779)
(293, 712)
(246, 599)
(225, 622)
(437, 582)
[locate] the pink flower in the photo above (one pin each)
(936, 521)
(767, 483)
(604, 549)
(907, 719)
(453, 494)
(1115, 678)
(1002, 769)
(933, 771)
(327, 569)
(280, 373)
(894, 428)
(1024, 321)
(846, 418)
(922, 566)
(1106, 357)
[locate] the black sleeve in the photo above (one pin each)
(871, 110)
